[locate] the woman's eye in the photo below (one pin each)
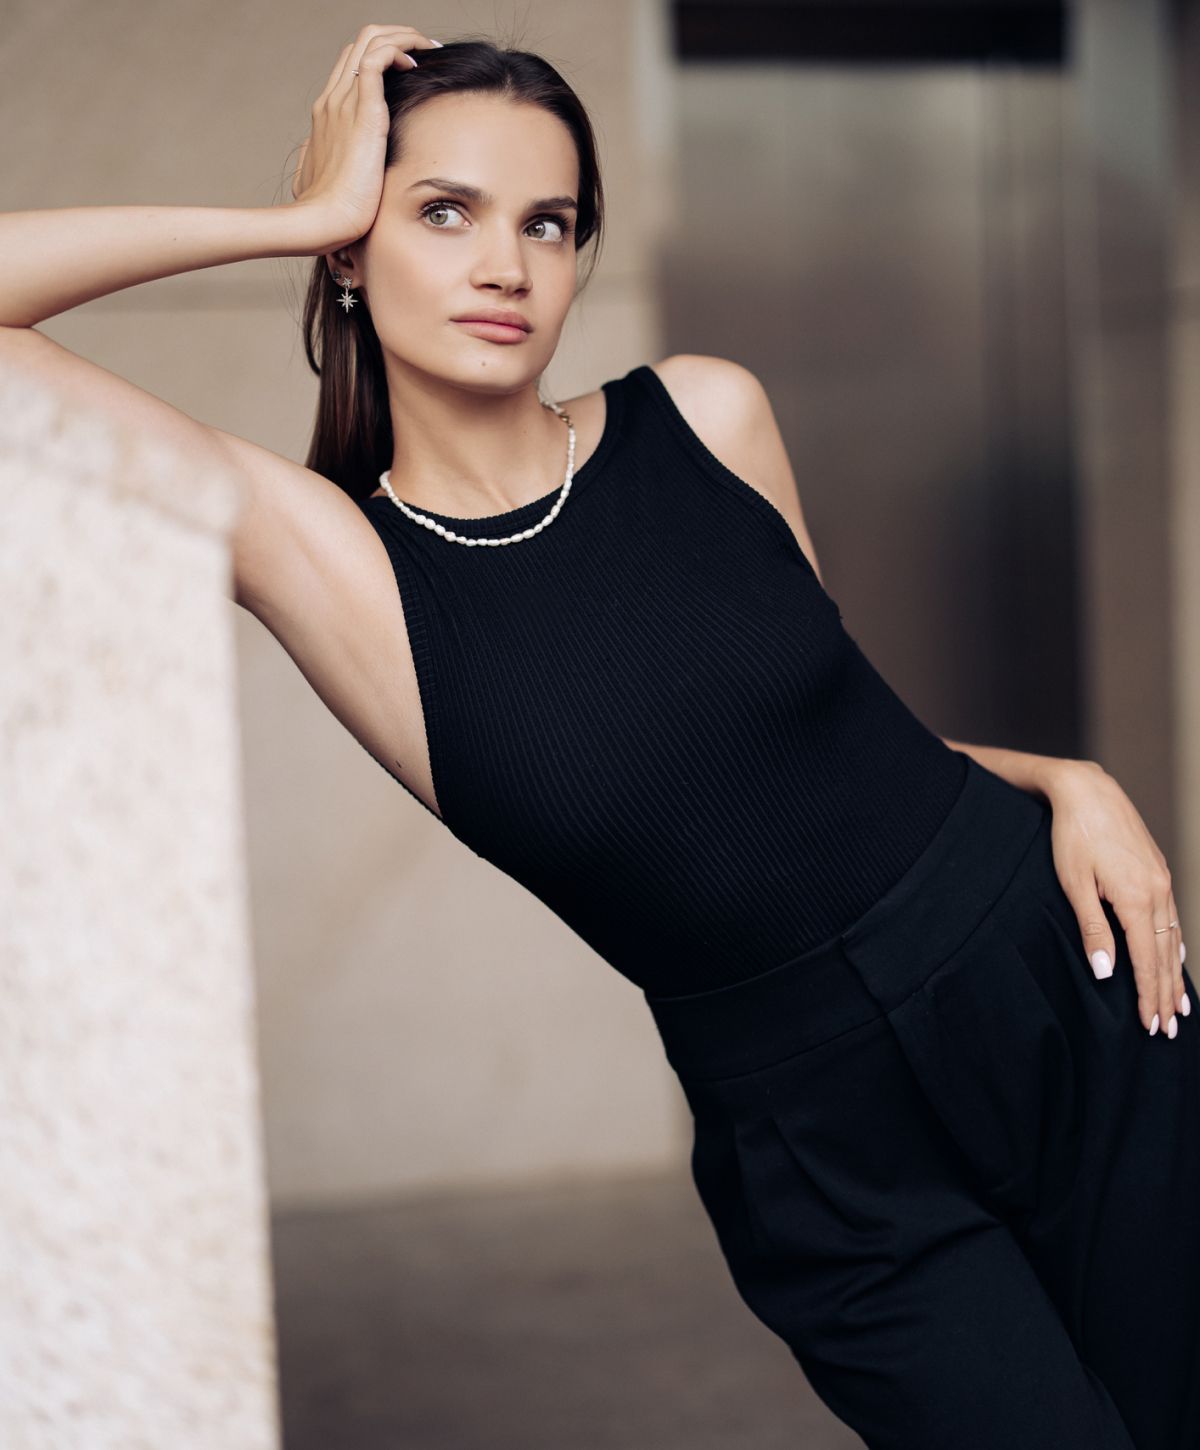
(437, 206)
(553, 222)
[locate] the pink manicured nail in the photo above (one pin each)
(1172, 1026)
(1182, 952)
(1186, 1005)
(1154, 1025)
(1101, 965)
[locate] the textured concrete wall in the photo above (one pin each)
(423, 1020)
(136, 1308)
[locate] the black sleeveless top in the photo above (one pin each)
(651, 716)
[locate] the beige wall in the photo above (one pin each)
(423, 1021)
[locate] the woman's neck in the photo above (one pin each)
(472, 455)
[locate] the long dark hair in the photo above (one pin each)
(352, 434)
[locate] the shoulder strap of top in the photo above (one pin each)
(661, 425)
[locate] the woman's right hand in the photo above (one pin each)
(339, 175)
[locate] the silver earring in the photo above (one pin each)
(347, 299)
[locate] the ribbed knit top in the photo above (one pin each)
(651, 716)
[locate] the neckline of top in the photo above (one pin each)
(512, 520)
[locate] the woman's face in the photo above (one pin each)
(434, 254)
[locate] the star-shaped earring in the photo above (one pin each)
(347, 299)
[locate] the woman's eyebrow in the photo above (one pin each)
(483, 198)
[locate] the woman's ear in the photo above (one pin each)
(344, 260)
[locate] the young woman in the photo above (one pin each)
(951, 1165)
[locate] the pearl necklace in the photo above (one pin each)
(452, 537)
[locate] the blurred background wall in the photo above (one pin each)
(965, 269)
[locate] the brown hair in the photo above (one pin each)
(352, 433)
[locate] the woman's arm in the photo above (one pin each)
(1032, 773)
(54, 260)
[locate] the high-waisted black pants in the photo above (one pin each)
(950, 1168)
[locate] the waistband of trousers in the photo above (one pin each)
(874, 963)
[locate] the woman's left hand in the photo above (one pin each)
(1103, 852)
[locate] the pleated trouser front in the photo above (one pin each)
(950, 1168)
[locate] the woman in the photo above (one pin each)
(943, 1160)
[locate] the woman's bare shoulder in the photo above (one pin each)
(718, 397)
(306, 560)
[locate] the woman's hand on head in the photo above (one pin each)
(339, 174)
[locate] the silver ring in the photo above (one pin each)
(1159, 929)
(355, 72)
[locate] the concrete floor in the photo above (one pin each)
(583, 1317)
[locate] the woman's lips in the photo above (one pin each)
(494, 331)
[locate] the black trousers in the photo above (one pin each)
(951, 1169)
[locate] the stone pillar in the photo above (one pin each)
(135, 1310)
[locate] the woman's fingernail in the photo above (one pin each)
(1102, 964)
(1186, 1005)
(1182, 952)
(1154, 1025)
(438, 43)
(1172, 1025)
